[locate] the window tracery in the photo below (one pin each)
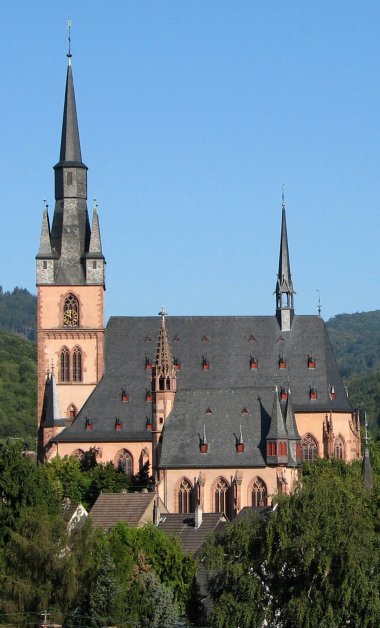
(124, 461)
(259, 493)
(71, 311)
(184, 496)
(309, 448)
(220, 495)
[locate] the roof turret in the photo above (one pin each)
(277, 428)
(290, 420)
(164, 364)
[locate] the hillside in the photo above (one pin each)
(18, 386)
(356, 342)
(18, 312)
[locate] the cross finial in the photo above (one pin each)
(283, 196)
(69, 55)
(319, 308)
(95, 203)
(163, 312)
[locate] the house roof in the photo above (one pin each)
(223, 397)
(182, 526)
(130, 508)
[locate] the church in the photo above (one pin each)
(224, 409)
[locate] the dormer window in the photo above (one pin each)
(148, 364)
(310, 362)
(148, 395)
(124, 395)
(244, 411)
(205, 339)
(283, 393)
(313, 393)
(253, 364)
(149, 425)
(118, 424)
(177, 364)
(205, 364)
(282, 362)
(332, 392)
(89, 424)
(209, 411)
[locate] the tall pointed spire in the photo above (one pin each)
(70, 152)
(284, 284)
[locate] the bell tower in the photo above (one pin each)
(70, 278)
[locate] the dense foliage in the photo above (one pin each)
(18, 386)
(18, 311)
(89, 578)
(314, 561)
(356, 342)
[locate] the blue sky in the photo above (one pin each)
(192, 115)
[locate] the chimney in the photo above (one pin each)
(198, 516)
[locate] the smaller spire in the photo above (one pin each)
(290, 420)
(95, 246)
(164, 363)
(51, 413)
(277, 426)
(45, 249)
(367, 474)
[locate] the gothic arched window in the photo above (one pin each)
(259, 493)
(184, 496)
(71, 311)
(77, 365)
(220, 495)
(78, 454)
(309, 448)
(339, 448)
(64, 365)
(124, 462)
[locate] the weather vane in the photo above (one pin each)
(69, 38)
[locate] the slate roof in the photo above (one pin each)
(110, 508)
(182, 526)
(233, 394)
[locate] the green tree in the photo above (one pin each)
(38, 567)
(237, 585)
(148, 550)
(314, 562)
(23, 483)
(323, 551)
